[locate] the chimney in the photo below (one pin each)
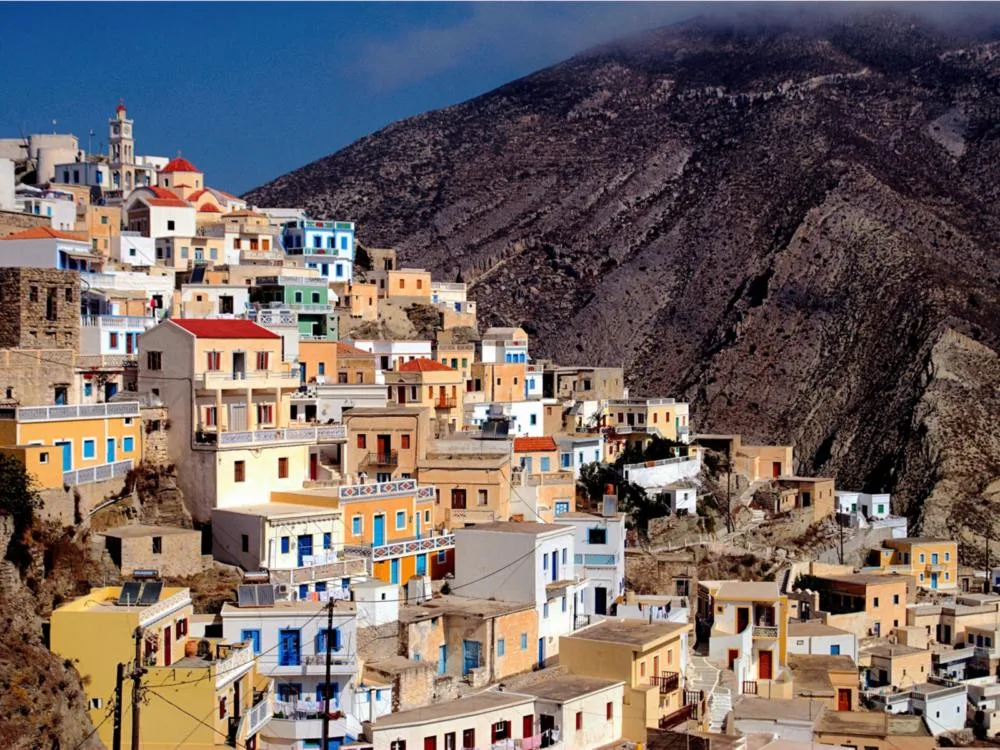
(609, 507)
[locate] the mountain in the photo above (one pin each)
(791, 225)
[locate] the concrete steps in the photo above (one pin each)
(719, 706)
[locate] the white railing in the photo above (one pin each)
(413, 546)
(252, 378)
(256, 717)
(97, 473)
(321, 570)
(661, 462)
(448, 286)
(384, 489)
(118, 321)
(271, 317)
(83, 411)
(155, 611)
(286, 435)
(231, 668)
(307, 307)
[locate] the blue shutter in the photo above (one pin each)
(284, 545)
(321, 641)
(327, 540)
(336, 639)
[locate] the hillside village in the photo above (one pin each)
(323, 506)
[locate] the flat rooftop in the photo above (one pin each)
(384, 411)
(741, 590)
(798, 629)
(483, 702)
(568, 687)
(459, 605)
(778, 709)
(871, 724)
(630, 632)
(141, 530)
(898, 649)
(283, 510)
(868, 579)
(286, 607)
(515, 527)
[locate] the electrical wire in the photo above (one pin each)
(150, 691)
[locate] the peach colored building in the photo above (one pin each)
(426, 383)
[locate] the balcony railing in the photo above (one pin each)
(668, 682)
(310, 307)
(686, 713)
(273, 437)
(119, 322)
(403, 547)
(97, 473)
(321, 571)
(593, 560)
(765, 631)
(749, 687)
(233, 666)
(256, 717)
(83, 411)
(395, 488)
(388, 458)
(471, 515)
(445, 403)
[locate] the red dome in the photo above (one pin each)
(179, 165)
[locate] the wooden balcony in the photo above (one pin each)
(668, 682)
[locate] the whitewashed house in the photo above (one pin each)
(814, 637)
(600, 556)
(524, 562)
(574, 452)
(942, 706)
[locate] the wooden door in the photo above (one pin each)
(528, 725)
(168, 641)
(742, 618)
(776, 469)
(734, 654)
(843, 699)
(764, 665)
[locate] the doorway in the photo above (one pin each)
(167, 643)
(742, 618)
(546, 723)
(239, 365)
(237, 417)
(378, 530)
(843, 699)
(776, 469)
(733, 655)
(764, 665)
(600, 600)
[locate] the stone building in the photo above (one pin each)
(37, 377)
(39, 308)
(168, 550)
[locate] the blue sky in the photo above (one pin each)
(248, 91)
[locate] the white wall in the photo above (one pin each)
(134, 249)
(664, 473)
(481, 721)
(581, 452)
(597, 730)
(6, 185)
(611, 578)
(377, 602)
(821, 645)
(183, 218)
(521, 413)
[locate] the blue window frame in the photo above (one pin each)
(400, 519)
(356, 525)
(545, 562)
(343, 243)
(288, 689)
(545, 464)
(566, 460)
(321, 637)
(835, 649)
(285, 545)
(524, 641)
(89, 448)
(545, 610)
(290, 648)
(562, 507)
(253, 636)
(501, 647)
(321, 368)
(327, 540)
(319, 587)
(564, 555)
(303, 591)
(88, 389)
(442, 556)
(128, 444)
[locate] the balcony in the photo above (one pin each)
(471, 515)
(765, 631)
(118, 322)
(320, 569)
(234, 666)
(341, 664)
(395, 488)
(219, 379)
(389, 458)
(596, 561)
(685, 714)
(263, 438)
(445, 403)
(256, 717)
(83, 411)
(668, 682)
(310, 307)
(293, 722)
(403, 547)
(97, 473)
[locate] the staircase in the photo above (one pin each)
(719, 706)
(703, 677)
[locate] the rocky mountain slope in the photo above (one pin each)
(791, 227)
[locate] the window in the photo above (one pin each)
(922, 557)
(947, 556)
(128, 444)
(33, 294)
(252, 636)
(545, 610)
(566, 460)
(89, 448)
(362, 441)
(211, 416)
(397, 745)
(875, 602)
(245, 542)
(113, 340)
(263, 358)
(400, 519)
(609, 711)
(532, 419)
(642, 669)
(327, 540)
(895, 598)
(170, 224)
(545, 466)
(442, 557)
(501, 647)
(43, 458)
(283, 468)
(356, 526)
(597, 536)
(285, 545)
(545, 562)
(404, 441)
(524, 641)
(213, 361)
(324, 637)
(88, 389)
(321, 368)
(565, 555)
(239, 471)
(564, 603)
(154, 360)
(835, 649)
(427, 516)
(579, 720)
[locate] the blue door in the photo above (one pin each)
(302, 372)
(394, 570)
(555, 565)
(378, 538)
(110, 389)
(253, 636)
(541, 652)
(289, 648)
(111, 450)
(442, 659)
(417, 517)
(470, 656)
(305, 548)
(67, 455)
(934, 580)
(422, 565)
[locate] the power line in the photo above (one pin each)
(192, 716)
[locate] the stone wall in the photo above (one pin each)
(30, 376)
(155, 449)
(179, 553)
(73, 504)
(15, 221)
(39, 307)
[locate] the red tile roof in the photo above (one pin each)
(209, 208)
(533, 444)
(343, 348)
(223, 329)
(164, 197)
(179, 165)
(45, 233)
(424, 365)
(196, 195)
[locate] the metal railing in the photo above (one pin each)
(388, 458)
(275, 436)
(320, 571)
(686, 713)
(97, 473)
(765, 631)
(749, 687)
(447, 402)
(668, 682)
(83, 411)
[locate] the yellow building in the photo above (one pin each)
(649, 657)
(664, 417)
(542, 490)
(184, 677)
(359, 299)
(182, 253)
(499, 381)
(319, 359)
(229, 395)
(425, 383)
(354, 366)
(471, 488)
(459, 357)
(384, 444)
(101, 223)
(933, 563)
(69, 445)
(409, 282)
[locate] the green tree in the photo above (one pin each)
(19, 499)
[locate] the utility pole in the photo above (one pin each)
(116, 737)
(326, 686)
(137, 673)
(840, 524)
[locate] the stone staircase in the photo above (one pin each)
(703, 676)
